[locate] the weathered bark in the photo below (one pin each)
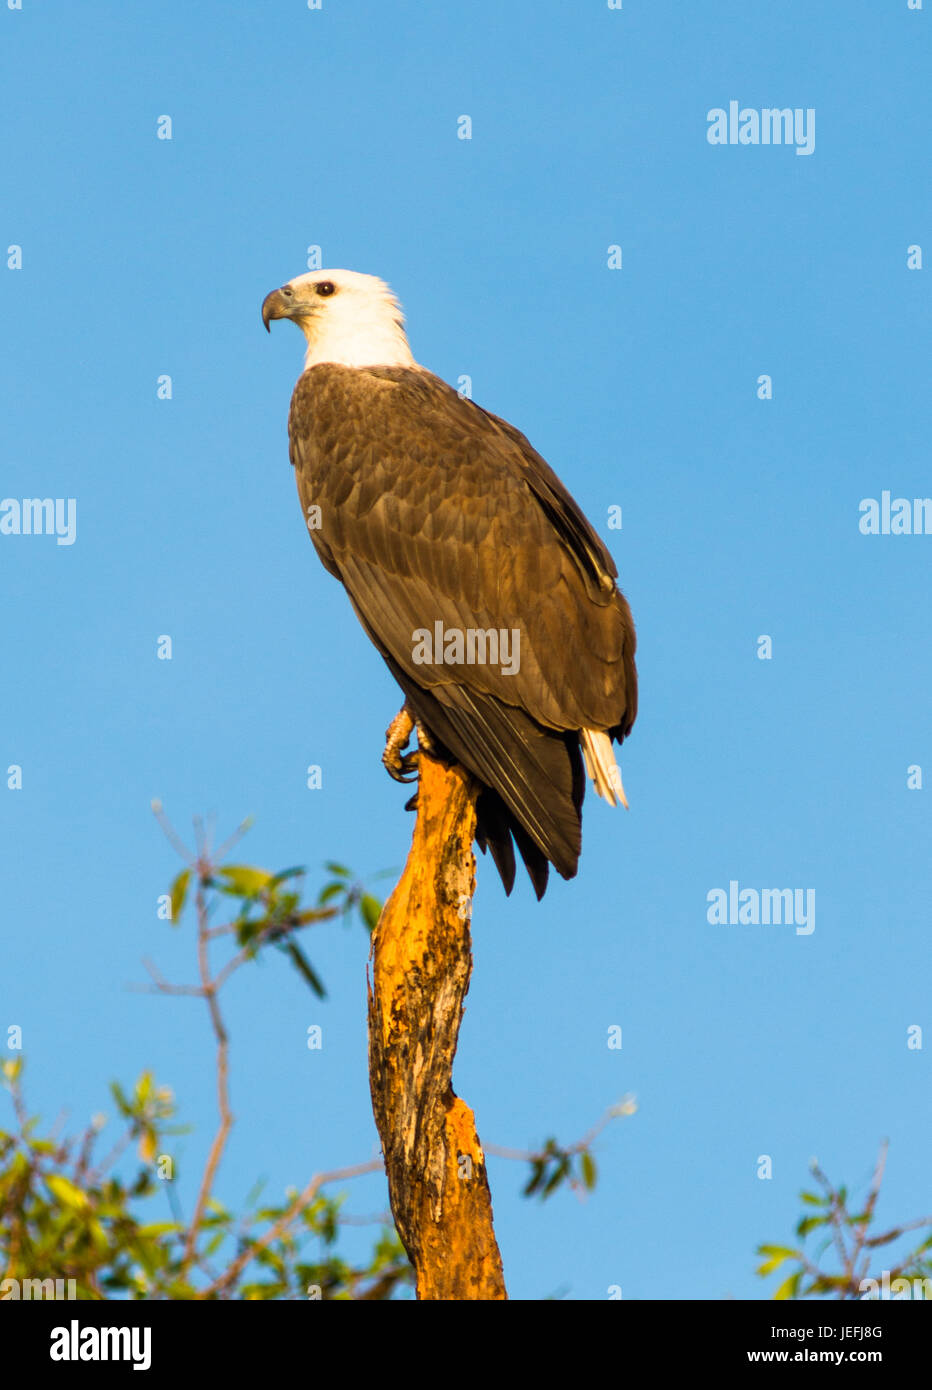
(422, 963)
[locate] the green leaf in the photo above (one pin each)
(255, 1292)
(64, 1191)
(789, 1287)
(314, 914)
(812, 1199)
(588, 1170)
(809, 1223)
(288, 873)
(778, 1254)
(331, 891)
(826, 1283)
(243, 881)
(119, 1095)
(306, 969)
(179, 893)
(556, 1177)
(371, 910)
(339, 869)
(534, 1181)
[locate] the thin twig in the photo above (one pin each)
(540, 1155)
(171, 834)
(303, 1199)
(223, 1094)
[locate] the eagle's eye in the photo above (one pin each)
(326, 287)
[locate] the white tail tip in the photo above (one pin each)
(601, 766)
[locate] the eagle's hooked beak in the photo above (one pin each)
(280, 304)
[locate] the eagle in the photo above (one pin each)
(471, 568)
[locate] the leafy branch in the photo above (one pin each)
(574, 1164)
(851, 1237)
(69, 1210)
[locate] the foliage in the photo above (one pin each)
(555, 1164)
(65, 1213)
(68, 1211)
(851, 1241)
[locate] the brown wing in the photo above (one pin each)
(434, 511)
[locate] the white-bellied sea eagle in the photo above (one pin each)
(471, 568)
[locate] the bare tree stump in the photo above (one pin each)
(422, 963)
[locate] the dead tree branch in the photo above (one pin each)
(422, 961)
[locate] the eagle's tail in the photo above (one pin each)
(601, 766)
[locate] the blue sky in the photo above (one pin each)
(142, 256)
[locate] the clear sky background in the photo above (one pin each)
(142, 256)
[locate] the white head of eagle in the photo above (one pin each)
(346, 317)
(453, 536)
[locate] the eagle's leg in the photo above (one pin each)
(425, 738)
(403, 767)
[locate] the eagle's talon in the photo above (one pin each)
(400, 766)
(404, 767)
